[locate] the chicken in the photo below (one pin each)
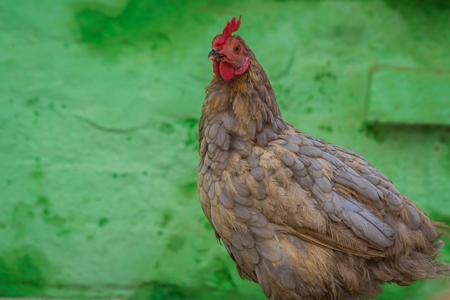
(303, 218)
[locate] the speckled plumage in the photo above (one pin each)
(303, 218)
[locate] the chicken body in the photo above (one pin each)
(303, 218)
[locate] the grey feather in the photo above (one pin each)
(212, 148)
(366, 225)
(305, 160)
(310, 151)
(223, 140)
(292, 147)
(351, 206)
(315, 169)
(238, 144)
(271, 136)
(306, 182)
(293, 139)
(287, 278)
(270, 250)
(211, 190)
(413, 221)
(267, 232)
(235, 252)
(245, 201)
(324, 184)
(221, 156)
(328, 207)
(320, 194)
(337, 203)
(278, 124)
(318, 143)
(228, 121)
(263, 282)
(248, 241)
(260, 222)
(333, 160)
(245, 214)
(225, 199)
(203, 146)
(393, 189)
(208, 174)
(247, 151)
(213, 129)
(288, 160)
(236, 240)
(394, 201)
(261, 139)
(259, 125)
(252, 255)
(241, 188)
(365, 171)
(253, 160)
(348, 177)
(261, 191)
(258, 173)
(204, 168)
(373, 179)
(280, 142)
(430, 232)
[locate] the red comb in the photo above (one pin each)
(231, 27)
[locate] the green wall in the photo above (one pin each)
(98, 130)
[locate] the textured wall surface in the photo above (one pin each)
(98, 130)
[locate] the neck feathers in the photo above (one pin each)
(248, 101)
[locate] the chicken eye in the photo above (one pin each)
(237, 49)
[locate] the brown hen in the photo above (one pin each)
(303, 218)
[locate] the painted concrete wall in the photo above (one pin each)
(99, 107)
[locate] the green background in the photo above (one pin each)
(100, 102)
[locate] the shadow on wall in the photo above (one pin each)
(147, 24)
(27, 266)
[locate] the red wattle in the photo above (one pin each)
(226, 71)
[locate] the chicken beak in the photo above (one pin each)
(214, 55)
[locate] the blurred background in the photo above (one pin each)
(100, 101)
